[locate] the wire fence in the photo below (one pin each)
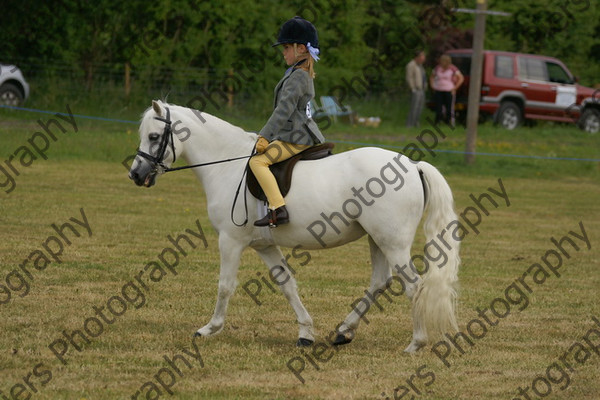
(249, 82)
(360, 144)
(119, 77)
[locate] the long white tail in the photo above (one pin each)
(434, 304)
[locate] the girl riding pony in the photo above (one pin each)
(290, 129)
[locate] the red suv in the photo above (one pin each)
(519, 86)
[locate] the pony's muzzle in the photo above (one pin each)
(143, 176)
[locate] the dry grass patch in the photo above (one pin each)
(248, 359)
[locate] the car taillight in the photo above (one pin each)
(485, 90)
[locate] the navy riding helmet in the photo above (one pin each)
(298, 30)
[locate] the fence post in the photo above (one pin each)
(230, 91)
(127, 79)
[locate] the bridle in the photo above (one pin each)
(158, 160)
(168, 134)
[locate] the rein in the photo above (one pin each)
(206, 163)
(158, 160)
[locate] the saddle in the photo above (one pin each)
(283, 170)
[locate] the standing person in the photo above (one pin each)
(445, 79)
(290, 129)
(416, 80)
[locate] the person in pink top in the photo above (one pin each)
(445, 80)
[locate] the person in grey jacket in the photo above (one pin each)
(416, 80)
(290, 129)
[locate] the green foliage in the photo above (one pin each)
(183, 47)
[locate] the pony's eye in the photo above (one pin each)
(153, 137)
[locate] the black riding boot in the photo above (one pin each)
(274, 218)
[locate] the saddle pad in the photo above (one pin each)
(283, 170)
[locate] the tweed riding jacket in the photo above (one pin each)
(291, 120)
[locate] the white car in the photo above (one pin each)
(14, 90)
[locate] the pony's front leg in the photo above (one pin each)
(281, 275)
(231, 252)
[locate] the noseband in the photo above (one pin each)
(167, 134)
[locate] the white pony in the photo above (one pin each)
(332, 201)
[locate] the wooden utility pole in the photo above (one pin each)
(475, 75)
(475, 82)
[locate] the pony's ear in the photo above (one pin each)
(157, 107)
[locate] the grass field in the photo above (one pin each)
(130, 228)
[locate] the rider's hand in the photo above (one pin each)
(261, 144)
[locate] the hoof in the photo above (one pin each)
(209, 330)
(341, 339)
(414, 347)
(302, 342)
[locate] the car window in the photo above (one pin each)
(504, 67)
(557, 74)
(532, 68)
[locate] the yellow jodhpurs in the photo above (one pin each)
(259, 164)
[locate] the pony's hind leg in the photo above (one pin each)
(380, 278)
(411, 283)
(230, 251)
(382, 259)
(281, 275)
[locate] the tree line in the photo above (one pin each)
(195, 45)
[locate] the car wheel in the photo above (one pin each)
(590, 121)
(10, 95)
(509, 115)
